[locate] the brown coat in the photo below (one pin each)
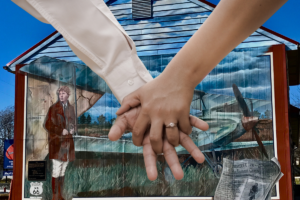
(61, 147)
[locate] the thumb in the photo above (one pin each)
(130, 101)
(117, 130)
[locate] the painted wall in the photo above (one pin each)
(119, 165)
(103, 168)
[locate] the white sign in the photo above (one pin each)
(36, 188)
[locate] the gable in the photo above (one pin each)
(172, 25)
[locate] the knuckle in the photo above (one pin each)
(184, 138)
(186, 128)
(121, 118)
(168, 151)
(159, 109)
(137, 143)
(173, 140)
(144, 113)
(136, 132)
(146, 109)
(125, 116)
(178, 109)
(158, 150)
(125, 100)
(154, 138)
(189, 130)
(183, 108)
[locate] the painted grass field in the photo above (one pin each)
(124, 175)
(130, 180)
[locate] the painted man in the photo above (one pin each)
(60, 124)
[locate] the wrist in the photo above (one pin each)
(127, 77)
(173, 85)
(180, 77)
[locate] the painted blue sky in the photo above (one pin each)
(244, 67)
(20, 31)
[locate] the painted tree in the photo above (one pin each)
(88, 119)
(101, 119)
(82, 119)
(256, 113)
(7, 122)
(112, 120)
(268, 114)
(6, 127)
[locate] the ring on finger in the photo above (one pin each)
(171, 125)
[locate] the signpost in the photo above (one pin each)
(8, 159)
(7, 173)
(8, 154)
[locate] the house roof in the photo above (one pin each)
(262, 27)
(203, 3)
(33, 49)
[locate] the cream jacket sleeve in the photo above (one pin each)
(97, 38)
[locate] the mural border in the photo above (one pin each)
(282, 119)
(20, 97)
(280, 93)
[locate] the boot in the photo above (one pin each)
(60, 187)
(54, 188)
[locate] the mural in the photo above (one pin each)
(234, 99)
(60, 123)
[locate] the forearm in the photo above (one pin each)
(230, 23)
(97, 38)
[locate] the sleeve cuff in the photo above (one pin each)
(128, 76)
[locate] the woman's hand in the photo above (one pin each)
(127, 121)
(163, 100)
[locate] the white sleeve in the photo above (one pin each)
(97, 38)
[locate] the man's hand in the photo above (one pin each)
(127, 121)
(65, 132)
(72, 131)
(164, 100)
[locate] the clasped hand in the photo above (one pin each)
(147, 111)
(66, 132)
(163, 102)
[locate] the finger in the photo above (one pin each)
(156, 134)
(198, 123)
(190, 146)
(184, 124)
(172, 134)
(139, 129)
(172, 160)
(130, 101)
(150, 160)
(117, 130)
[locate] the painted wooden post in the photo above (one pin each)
(16, 190)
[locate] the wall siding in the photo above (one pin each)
(172, 25)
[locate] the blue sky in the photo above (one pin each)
(20, 31)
